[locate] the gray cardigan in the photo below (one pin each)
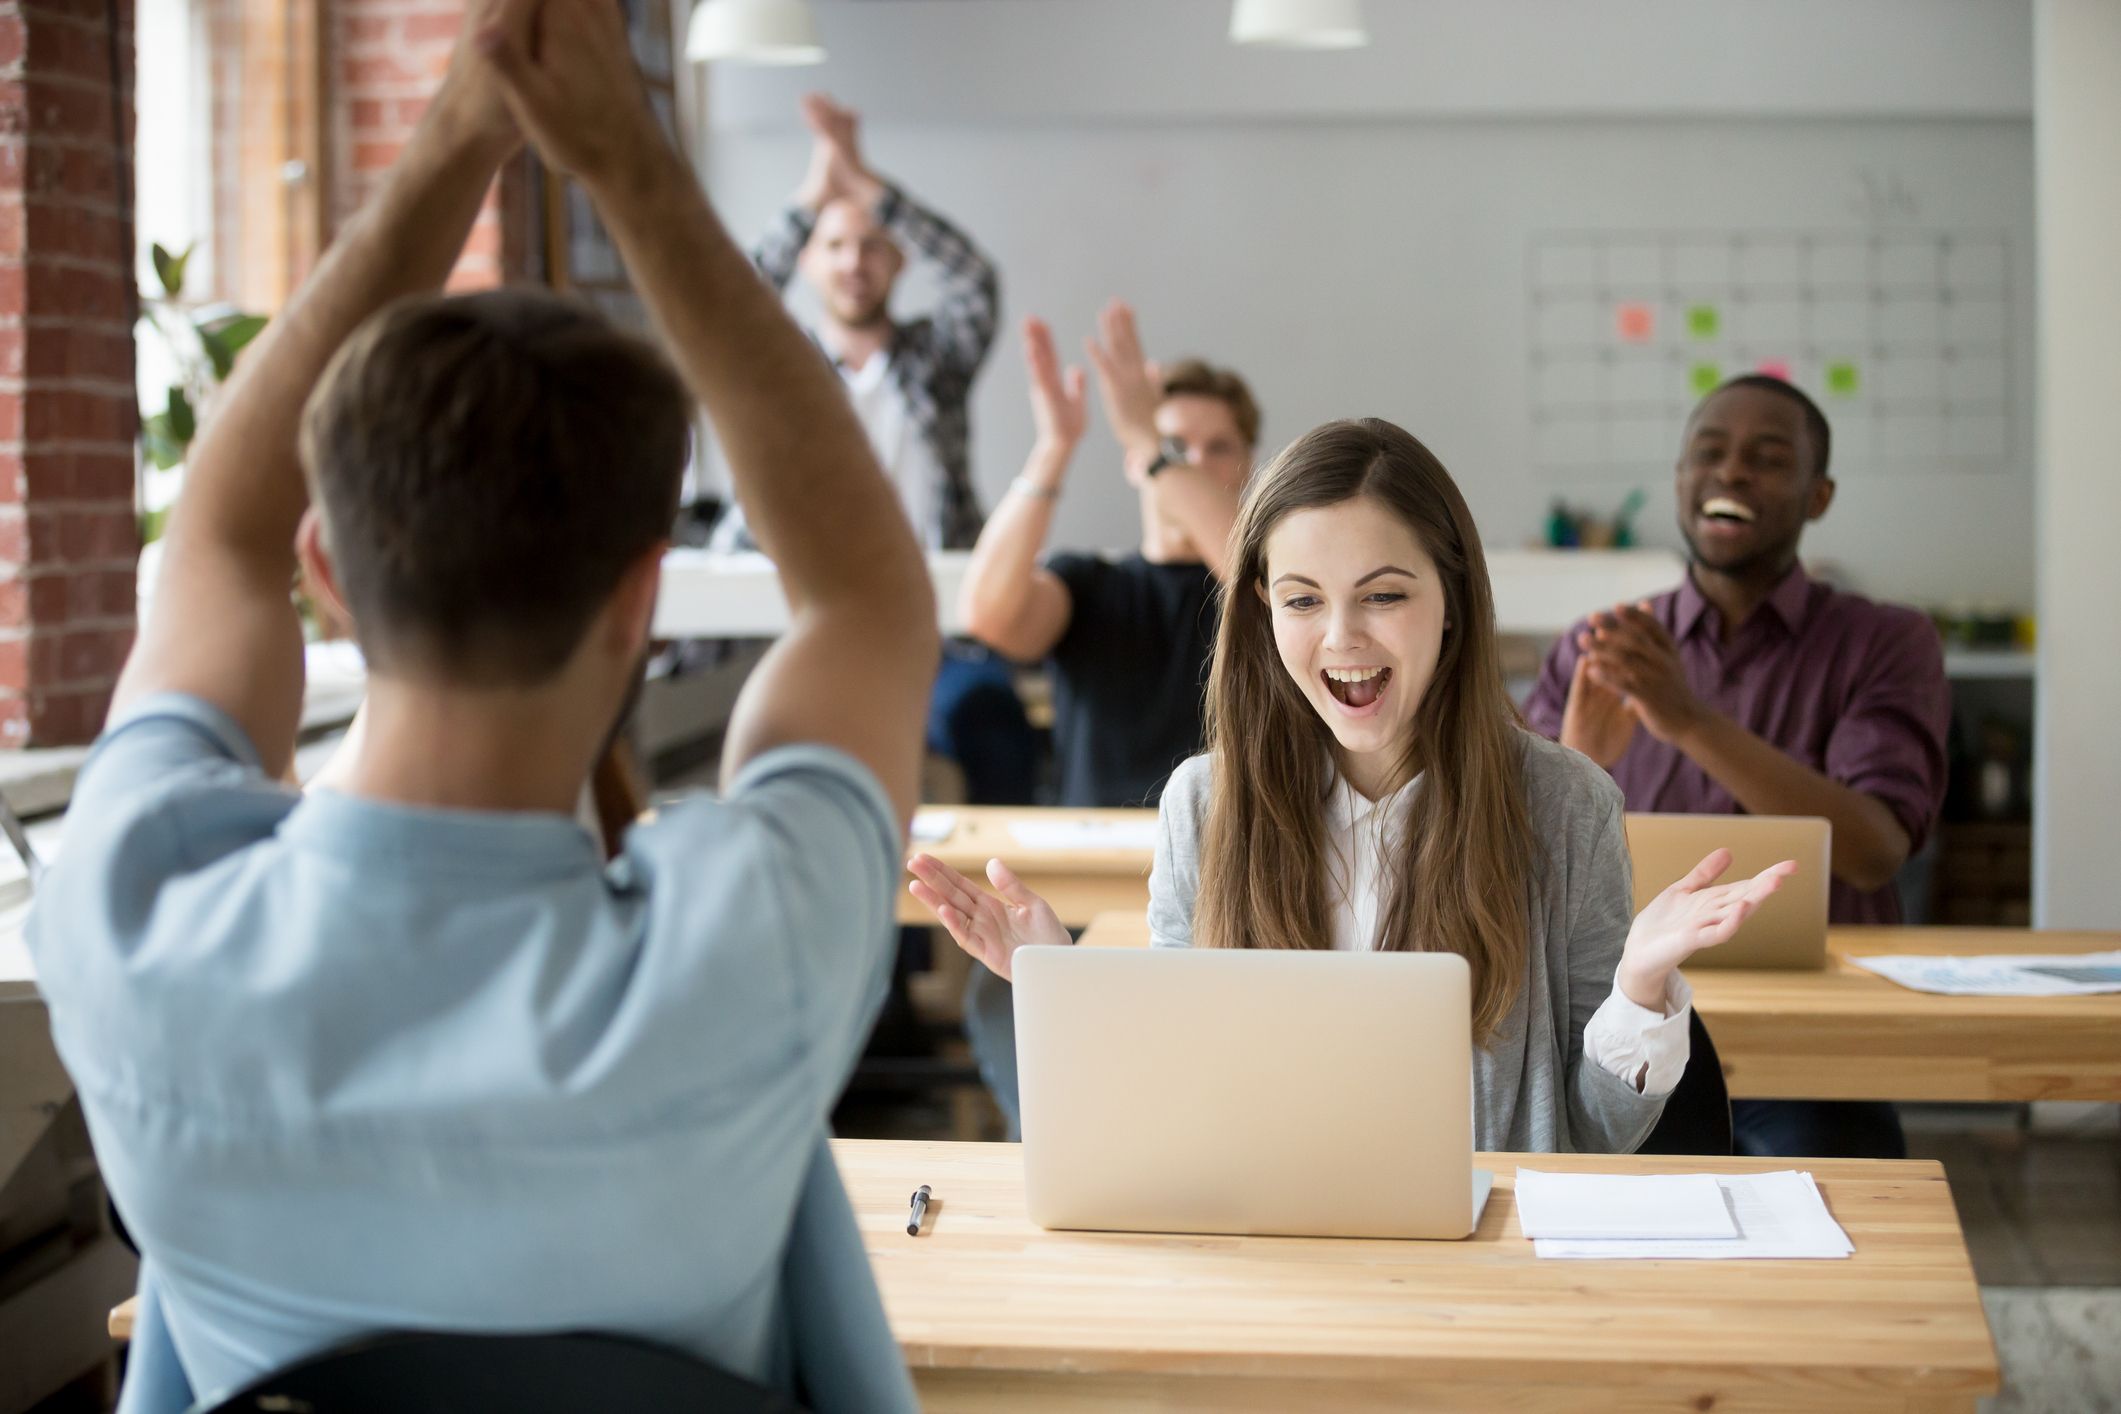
(1533, 1092)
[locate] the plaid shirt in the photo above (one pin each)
(933, 359)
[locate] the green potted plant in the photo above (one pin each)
(202, 341)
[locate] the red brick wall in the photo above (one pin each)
(388, 57)
(67, 412)
(223, 26)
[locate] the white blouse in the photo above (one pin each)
(1642, 1047)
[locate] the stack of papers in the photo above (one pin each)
(1665, 1216)
(2004, 975)
(933, 826)
(14, 948)
(1085, 834)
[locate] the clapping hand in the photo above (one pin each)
(1596, 719)
(989, 928)
(1632, 654)
(1060, 405)
(1129, 383)
(836, 168)
(471, 94)
(1693, 914)
(568, 74)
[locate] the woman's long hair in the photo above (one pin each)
(1460, 882)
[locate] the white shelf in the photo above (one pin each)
(1536, 591)
(1546, 591)
(1971, 663)
(708, 595)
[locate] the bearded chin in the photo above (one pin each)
(863, 317)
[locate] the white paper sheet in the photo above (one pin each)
(1610, 1205)
(1778, 1215)
(1085, 834)
(15, 965)
(2003, 975)
(933, 826)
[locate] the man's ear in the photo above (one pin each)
(320, 578)
(1822, 496)
(630, 616)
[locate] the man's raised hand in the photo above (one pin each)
(471, 95)
(1129, 384)
(1060, 405)
(567, 71)
(836, 167)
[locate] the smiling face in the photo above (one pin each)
(852, 264)
(1359, 618)
(1746, 483)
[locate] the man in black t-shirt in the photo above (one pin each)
(1127, 640)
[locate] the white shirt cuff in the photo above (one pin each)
(1647, 1050)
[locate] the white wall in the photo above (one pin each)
(976, 60)
(2076, 882)
(1351, 230)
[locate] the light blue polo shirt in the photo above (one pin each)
(352, 1066)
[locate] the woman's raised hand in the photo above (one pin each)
(1695, 913)
(989, 928)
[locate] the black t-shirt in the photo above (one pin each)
(1128, 675)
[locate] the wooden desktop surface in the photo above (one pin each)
(1079, 883)
(993, 1312)
(1846, 1034)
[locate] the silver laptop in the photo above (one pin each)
(1789, 930)
(1309, 1094)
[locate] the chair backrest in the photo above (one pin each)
(446, 1373)
(1697, 1114)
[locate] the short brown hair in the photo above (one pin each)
(1198, 378)
(487, 466)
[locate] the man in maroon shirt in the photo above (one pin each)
(1754, 689)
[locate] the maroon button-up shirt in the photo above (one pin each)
(1853, 689)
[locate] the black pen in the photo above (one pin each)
(920, 1207)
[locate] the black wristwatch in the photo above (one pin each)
(1170, 452)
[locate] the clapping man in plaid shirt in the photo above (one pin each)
(849, 232)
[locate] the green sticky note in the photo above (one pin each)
(1704, 377)
(1842, 380)
(1702, 321)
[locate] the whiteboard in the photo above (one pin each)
(1902, 337)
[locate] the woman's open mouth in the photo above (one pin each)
(1358, 690)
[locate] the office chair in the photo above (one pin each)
(448, 1373)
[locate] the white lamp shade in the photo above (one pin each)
(1299, 24)
(754, 32)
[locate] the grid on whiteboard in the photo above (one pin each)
(1904, 338)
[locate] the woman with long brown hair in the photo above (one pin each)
(1369, 784)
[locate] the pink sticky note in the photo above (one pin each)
(1635, 323)
(1776, 368)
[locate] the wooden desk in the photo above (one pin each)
(1079, 883)
(995, 1313)
(1847, 1034)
